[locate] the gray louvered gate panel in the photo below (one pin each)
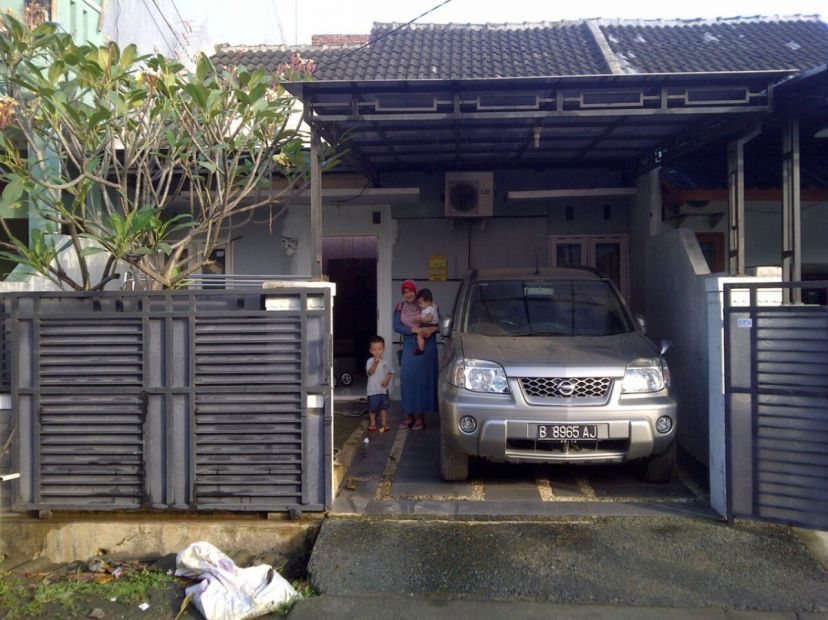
(174, 400)
(248, 443)
(776, 363)
(91, 413)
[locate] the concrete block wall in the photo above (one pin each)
(677, 311)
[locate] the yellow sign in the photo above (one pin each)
(437, 268)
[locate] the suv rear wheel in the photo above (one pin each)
(454, 465)
(659, 467)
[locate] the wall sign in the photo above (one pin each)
(437, 268)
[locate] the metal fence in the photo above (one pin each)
(776, 395)
(5, 351)
(205, 400)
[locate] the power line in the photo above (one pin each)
(175, 6)
(384, 35)
(158, 26)
(169, 25)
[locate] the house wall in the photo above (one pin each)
(677, 311)
(517, 235)
(763, 230)
(80, 18)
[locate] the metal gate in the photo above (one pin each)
(776, 403)
(205, 400)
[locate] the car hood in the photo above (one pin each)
(559, 356)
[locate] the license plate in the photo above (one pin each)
(568, 432)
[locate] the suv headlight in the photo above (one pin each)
(644, 375)
(479, 376)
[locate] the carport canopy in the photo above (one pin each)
(635, 121)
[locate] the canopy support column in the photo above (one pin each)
(316, 204)
(736, 202)
(791, 211)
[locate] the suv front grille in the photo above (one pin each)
(566, 387)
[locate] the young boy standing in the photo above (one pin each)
(380, 375)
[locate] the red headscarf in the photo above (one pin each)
(409, 312)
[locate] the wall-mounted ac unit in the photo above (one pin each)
(469, 194)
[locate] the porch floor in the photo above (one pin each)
(398, 473)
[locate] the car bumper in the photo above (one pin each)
(507, 427)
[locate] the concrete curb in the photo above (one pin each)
(426, 609)
(78, 537)
(817, 543)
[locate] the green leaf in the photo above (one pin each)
(204, 68)
(93, 250)
(13, 191)
(55, 71)
(118, 102)
(101, 115)
(104, 58)
(197, 92)
(128, 56)
(166, 248)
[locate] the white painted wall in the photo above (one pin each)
(763, 230)
(676, 311)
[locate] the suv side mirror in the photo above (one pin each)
(642, 322)
(445, 326)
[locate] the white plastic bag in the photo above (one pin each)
(227, 592)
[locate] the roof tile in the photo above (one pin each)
(463, 51)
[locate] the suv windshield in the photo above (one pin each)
(545, 308)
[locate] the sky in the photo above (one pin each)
(338, 16)
(274, 22)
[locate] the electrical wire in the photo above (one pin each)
(158, 26)
(175, 6)
(169, 25)
(381, 37)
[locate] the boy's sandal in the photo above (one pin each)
(405, 425)
(372, 428)
(384, 429)
(418, 426)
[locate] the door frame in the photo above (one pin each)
(358, 220)
(588, 243)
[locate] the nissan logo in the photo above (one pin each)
(566, 388)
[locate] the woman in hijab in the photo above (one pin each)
(418, 373)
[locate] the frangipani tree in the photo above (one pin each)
(135, 157)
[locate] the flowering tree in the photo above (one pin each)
(135, 157)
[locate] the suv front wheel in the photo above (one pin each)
(659, 467)
(454, 465)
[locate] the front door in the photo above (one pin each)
(608, 254)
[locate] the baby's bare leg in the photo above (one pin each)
(420, 341)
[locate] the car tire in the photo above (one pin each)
(454, 465)
(346, 378)
(659, 467)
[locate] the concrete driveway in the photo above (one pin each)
(399, 473)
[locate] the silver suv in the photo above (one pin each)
(549, 366)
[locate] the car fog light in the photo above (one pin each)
(468, 424)
(664, 424)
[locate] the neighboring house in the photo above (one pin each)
(610, 143)
(82, 20)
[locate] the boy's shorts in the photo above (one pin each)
(378, 402)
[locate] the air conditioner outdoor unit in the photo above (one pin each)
(469, 194)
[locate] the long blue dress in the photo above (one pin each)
(418, 373)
